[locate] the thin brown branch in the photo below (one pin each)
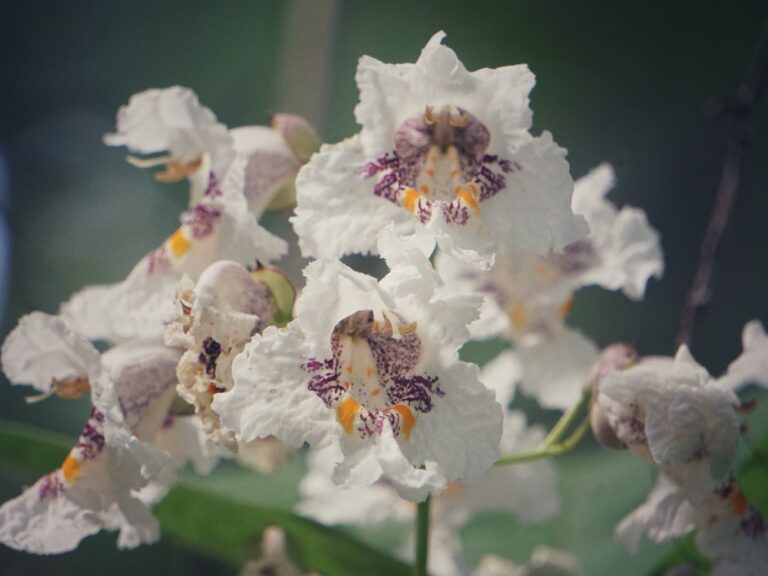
(739, 111)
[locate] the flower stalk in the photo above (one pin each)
(556, 442)
(422, 538)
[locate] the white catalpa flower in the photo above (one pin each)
(445, 154)
(666, 514)
(730, 533)
(527, 297)
(529, 491)
(213, 321)
(674, 414)
(196, 144)
(218, 227)
(234, 175)
(554, 358)
(186, 441)
(132, 386)
(372, 367)
(523, 290)
(752, 365)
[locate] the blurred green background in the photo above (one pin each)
(621, 82)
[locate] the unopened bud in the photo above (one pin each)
(282, 291)
(298, 133)
(614, 357)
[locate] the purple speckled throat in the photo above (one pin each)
(440, 163)
(89, 445)
(371, 378)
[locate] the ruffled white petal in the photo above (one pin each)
(57, 524)
(270, 397)
(134, 308)
(333, 292)
(135, 399)
(461, 433)
(463, 278)
(140, 306)
(665, 514)
(42, 348)
(533, 212)
(385, 457)
(502, 375)
(688, 423)
(472, 242)
(556, 367)
(185, 439)
(627, 249)
(529, 491)
(173, 120)
(93, 490)
(391, 93)
(270, 166)
(337, 212)
(752, 365)
(677, 413)
(326, 502)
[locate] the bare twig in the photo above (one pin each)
(739, 111)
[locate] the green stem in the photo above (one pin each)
(555, 444)
(567, 419)
(422, 538)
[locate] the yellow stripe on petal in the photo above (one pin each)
(178, 243)
(71, 469)
(468, 198)
(347, 413)
(410, 198)
(407, 419)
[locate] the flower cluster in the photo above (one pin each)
(672, 413)
(210, 352)
(141, 431)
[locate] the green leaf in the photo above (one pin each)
(684, 553)
(27, 452)
(225, 527)
(232, 532)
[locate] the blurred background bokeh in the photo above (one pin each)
(621, 82)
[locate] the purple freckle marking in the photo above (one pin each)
(201, 219)
(209, 356)
(213, 190)
(90, 444)
(396, 362)
(51, 485)
(157, 260)
(414, 140)
(91, 441)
